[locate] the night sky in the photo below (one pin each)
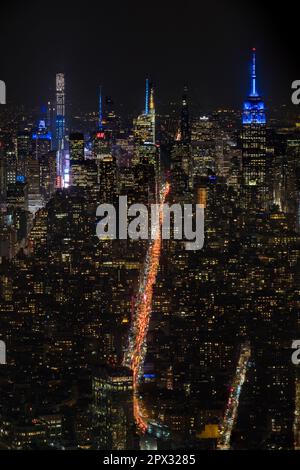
(204, 44)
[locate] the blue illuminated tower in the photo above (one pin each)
(147, 97)
(255, 186)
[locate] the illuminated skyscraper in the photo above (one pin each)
(144, 125)
(3, 178)
(100, 141)
(8, 163)
(60, 109)
(181, 152)
(76, 148)
(41, 138)
(60, 124)
(33, 180)
(47, 174)
(152, 113)
(147, 173)
(112, 120)
(146, 152)
(23, 152)
(107, 178)
(113, 409)
(104, 164)
(254, 146)
(290, 179)
(100, 145)
(179, 166)
(77, 168)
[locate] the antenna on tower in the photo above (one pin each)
(151, 100)
(147, 97)
(253, 75)
(100, 109)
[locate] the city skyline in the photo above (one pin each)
(187, 40)
(149, 231)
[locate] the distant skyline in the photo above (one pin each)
(206, 45)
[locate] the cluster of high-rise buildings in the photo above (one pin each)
(68, 299)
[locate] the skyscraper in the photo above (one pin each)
(60, 110)
(3, 179)
(107, 178)
(77, 159)
(60, 125)
(23, 152)
(144, 124)
(41, 138)
(185, 118)
(100, 126)
(254, 146)
(100, 140)
(146, 153)
(152, 114)
(181, 150)
(290, 184)
(113, 409)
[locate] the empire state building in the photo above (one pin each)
(255, 188)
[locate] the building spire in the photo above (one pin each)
(147, 97)
(254, 108)
(253, 73)
(184, 118)
(151, 101)
(100, 109)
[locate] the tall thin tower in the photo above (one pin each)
(147, 97)
(144, 124)
(152, 113)
(255, 187)
(60, 125)
(185, 118)
(100, 110)
(60, 109)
